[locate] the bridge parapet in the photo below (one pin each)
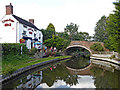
(85, 44)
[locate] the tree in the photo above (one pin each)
(113, 28)
(72, 30)
(63, 35)
(47, 34)
(100, 30)
(57, 42)
(51, 27)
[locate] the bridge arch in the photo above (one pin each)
(81, 47)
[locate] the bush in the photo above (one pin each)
(32, 51)
(13, 49)
(112, 57)
(97, 47)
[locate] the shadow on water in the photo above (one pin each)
(56, 75)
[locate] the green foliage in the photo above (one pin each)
(63, 35)
(97, 47)
(100, 30)
(108, 45)
(112, 57)
(51, 28)
(57, 42)
(71, 33)
(82, 36)
(113, 28)
(71, 29)
(13, 49)
(49, 32)
(32, 51)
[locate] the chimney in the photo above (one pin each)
(31, 20)
(9, 9)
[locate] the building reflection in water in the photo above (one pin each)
(31, 81)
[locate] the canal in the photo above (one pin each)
(78, 72)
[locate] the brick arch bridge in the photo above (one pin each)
(85, 44)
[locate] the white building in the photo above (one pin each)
(14, 28)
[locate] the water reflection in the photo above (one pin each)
(78, 63)
(31, 81)
(58, 76)
(104, 78)
(83, 82)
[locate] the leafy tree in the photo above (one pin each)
(84, 36)
(63, 35)
(47, 34)
(113, 28)
(100, 30)
(72, 30)
(57, 42)
(51, 27)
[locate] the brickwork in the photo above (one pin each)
(9, 9)
(86, 44)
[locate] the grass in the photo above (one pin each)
(11, 63)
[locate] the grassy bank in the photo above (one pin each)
(11, 63)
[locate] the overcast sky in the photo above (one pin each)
(84, 13)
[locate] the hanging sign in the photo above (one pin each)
(30, 30)
(22, 40)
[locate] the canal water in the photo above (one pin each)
(77, 72)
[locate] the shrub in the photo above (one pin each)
(97, 47)
(32, 51)
(13, 49)
(112, 57)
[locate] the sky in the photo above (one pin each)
(84, 13)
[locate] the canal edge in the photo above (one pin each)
(24, 69)
(111, 62)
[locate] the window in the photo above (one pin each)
(34, 35)
(24, 32)
(24, 26)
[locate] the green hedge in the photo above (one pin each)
(13, 49)
(97, 47)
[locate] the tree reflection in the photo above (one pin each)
(59, 73)
(78, 63)
(104, 78)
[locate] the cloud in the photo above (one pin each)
(85, 13)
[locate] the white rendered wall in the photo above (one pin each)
(8, 33)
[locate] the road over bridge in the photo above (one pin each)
(85, 44)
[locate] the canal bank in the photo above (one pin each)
(28, 68)
(104, 59)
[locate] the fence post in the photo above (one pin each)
(21, 50)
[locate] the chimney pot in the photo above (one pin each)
(31, 20)
(9, 9)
